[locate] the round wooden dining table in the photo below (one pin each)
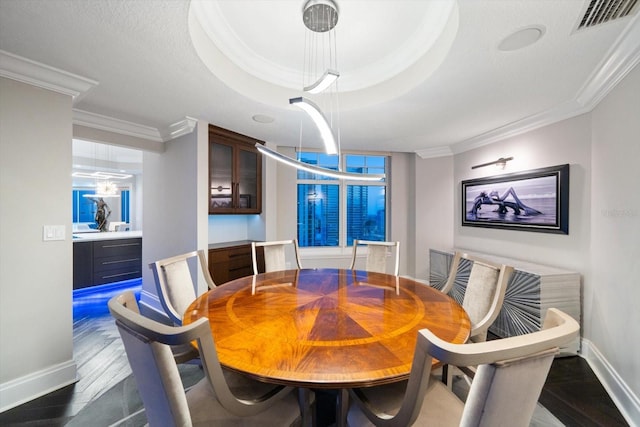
(325, 328)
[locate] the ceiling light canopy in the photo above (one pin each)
(320, 15)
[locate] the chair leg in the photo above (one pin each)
(447, 376)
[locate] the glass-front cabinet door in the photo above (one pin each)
(235, 173)
(220, 177)
(248, 159)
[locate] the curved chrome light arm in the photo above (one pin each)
(323, 82)
(316, 169)
(321, 122)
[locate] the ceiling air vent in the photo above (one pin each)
(601, 11)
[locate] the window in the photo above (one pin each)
(334, 212)
(124, 206)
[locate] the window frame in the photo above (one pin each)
(343, 184)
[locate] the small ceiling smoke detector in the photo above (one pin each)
(522, 38)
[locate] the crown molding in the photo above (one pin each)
(44, 76)
(98, 121)
(432, 152)
(623, 56)
(183, 127)
(528, 124)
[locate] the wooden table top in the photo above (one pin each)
(325, 328)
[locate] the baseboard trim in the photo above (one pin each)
(24, 389)
(626, 401)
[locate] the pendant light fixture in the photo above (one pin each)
(320, 79)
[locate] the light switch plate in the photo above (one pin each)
(53, 232)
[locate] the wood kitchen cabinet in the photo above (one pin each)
(232, 260)
(235, 173)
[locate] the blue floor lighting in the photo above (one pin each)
(92, 301)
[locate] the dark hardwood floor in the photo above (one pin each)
(574, 395)
(105, 394)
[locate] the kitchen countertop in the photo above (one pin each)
(107, 235)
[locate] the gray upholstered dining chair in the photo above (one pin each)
(222, 398)
(484, 293)
(175, 285)
(377, 255)
(176, 291)
(510, 376)
(275, 255)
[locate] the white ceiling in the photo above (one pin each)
(149, 72)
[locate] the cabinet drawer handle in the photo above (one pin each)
(119, 261)
(121, 245)
(238, 255)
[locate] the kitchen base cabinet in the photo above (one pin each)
(106, 261)
(82, 264)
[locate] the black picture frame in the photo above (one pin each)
(534, 200)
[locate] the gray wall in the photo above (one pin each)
(35, 276)
(612, 273)
(174, 205)
(433, 216)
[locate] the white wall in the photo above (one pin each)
(36, 329)
(174, 214)
(612, 276)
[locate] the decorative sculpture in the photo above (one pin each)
(494, 198)
(102, 214)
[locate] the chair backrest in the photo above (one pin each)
(377, 255)
(152, 363)
(175, 285)
(275, 255)
(510, 376)
(484, 293)
(147, 344)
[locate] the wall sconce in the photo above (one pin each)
(500, 163)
